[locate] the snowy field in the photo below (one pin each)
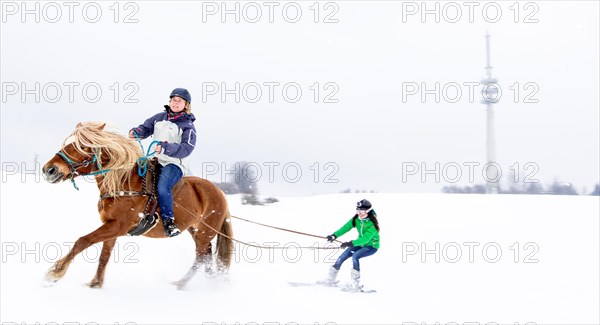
(501, 259)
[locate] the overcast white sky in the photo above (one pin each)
(374, 51)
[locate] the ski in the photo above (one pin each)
(327, 284)
(359, 290)
(312, 284)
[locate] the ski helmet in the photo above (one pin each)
(183, 93)
(363, 205)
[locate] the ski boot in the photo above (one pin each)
(354, 284)
(331, 276)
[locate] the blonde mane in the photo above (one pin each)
(122, 153)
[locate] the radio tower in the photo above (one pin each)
(490, 92)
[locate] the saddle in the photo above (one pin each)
(149, 217)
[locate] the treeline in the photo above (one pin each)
(349, 190)
(245, 182)
(556, 188)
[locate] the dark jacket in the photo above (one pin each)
(176, 134)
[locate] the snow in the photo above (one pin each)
(39, 221)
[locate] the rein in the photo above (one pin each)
(143, 161)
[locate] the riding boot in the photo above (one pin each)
(170, 229)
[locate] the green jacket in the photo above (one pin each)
(367, 234)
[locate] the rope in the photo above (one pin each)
(143, 167)
(282, 229)
(254, 245)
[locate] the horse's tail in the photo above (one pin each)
(225, 243)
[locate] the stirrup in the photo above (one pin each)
(146, 224)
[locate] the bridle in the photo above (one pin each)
(73, 166)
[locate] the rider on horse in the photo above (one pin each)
(174, 129)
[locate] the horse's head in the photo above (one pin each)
(76, 157)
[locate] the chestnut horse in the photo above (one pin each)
(199, 206)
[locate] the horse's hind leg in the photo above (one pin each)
(107, 231)
(203, 256)
(107, 247)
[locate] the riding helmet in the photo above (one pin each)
(183, 93)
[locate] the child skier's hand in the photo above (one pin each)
(331, 238)
(347, 244)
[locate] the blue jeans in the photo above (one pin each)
(169, 175)
(357, 253)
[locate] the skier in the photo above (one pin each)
(366, 223)
(174, 129)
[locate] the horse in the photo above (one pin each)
(199, 206)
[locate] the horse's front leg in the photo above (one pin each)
(107, 247)
(107, 231)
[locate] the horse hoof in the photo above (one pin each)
(179, 284)
(49, 282)
(95, 285)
